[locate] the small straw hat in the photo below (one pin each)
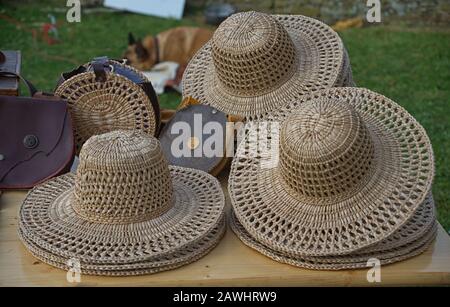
(126, 210)
(257, 62)
(353, 168)
(413, 238)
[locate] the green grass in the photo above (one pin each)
(411, 66)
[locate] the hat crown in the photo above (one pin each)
(253, 54)
(325, 150)
(123, 177)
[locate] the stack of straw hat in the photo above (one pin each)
(256, 63)
(125, 212)
(335, 176)
(352, 182)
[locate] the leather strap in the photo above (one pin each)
(150, 92)
(156, 44)
(99, 64)
(31, 88)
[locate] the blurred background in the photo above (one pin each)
(405, 57)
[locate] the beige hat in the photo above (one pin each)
(118, 102)
(353, 168)
(256, 63)
(124, 211)
(413, 238)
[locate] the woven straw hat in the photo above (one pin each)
(256, 62)
(125, 205)
(102, 106)
(413, 238)
(353, 168)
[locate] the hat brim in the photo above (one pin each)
(342, 262)
(320, 55)
(48, 220)
(400, 179)
(183, 256)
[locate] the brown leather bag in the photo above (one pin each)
(36, 139)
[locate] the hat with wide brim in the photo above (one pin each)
(317, 63)
(48, 219)
(342, 262)
(363, 181)
(183, 256)
(409, 240)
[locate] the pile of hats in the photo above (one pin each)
(125, 212)
(353, 182)
(352, 178)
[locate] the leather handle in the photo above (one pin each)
(31, 88)
(99, 66)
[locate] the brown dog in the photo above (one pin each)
(176, 45)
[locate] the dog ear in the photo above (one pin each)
(131, 39)
(141, 52)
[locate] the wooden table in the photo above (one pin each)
(231, 263)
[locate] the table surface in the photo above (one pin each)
(231, 263)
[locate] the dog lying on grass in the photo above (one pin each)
(177, 45)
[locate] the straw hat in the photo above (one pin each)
(413, 238)
(353, 168)
(121, 101)
(186, 255)
(256, 62)
(124, 206)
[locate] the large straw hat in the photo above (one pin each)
(413, 238)
(124, 206)
(353, 168)
(256, 63)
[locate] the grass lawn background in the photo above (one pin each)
(409, 65)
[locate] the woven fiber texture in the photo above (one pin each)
(188, 254)
(353, 168)
(99, 107)
(125, 205)
(351, 261)
(420, 224)
(256, 63)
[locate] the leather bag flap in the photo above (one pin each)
(28, 126)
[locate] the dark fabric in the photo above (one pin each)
(36, 140)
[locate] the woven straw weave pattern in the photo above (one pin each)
(184, 256)
(312, 217)
(99, 107)
(122, 180)
(337, 151)
(408, 250)
(250, 81)
(252, 55)
(182, 207)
